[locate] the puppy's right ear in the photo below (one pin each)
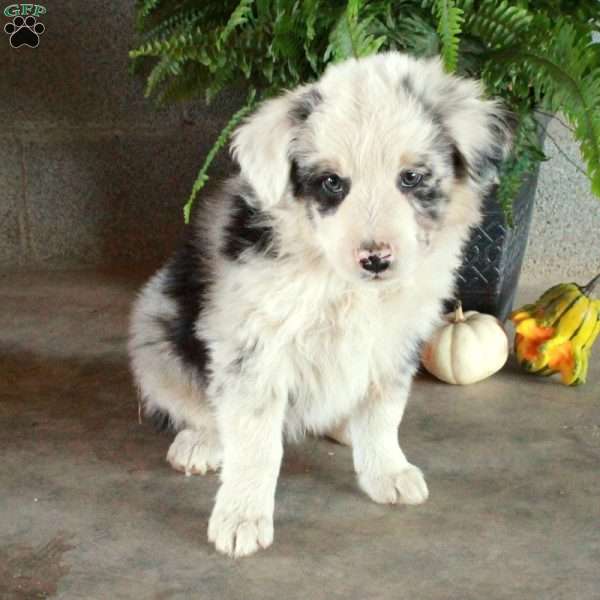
(480, 129)
(261, 145)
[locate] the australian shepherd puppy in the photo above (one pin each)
(299, 298)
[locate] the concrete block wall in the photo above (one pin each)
(92, 174)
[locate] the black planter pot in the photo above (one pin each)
(488, 277)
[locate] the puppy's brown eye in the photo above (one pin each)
(333, 185)
(410, 179)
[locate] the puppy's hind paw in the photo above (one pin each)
(195, 452)
(406, 486)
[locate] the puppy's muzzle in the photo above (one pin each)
(375, 258)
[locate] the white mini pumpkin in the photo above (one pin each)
(468, 348)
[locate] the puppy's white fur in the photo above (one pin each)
(266, 324)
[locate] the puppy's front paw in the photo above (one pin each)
(237, 534)
(406, 486)
(195, 452)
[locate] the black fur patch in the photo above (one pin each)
(161, 421)
(459, 163)
(298, 179)
(305, 105)
(186, 283)
(247, 229)
(307, 185)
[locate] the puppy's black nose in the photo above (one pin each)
(374, 263)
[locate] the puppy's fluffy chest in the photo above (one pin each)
(329, 340)
(332, 362)
(361, 340)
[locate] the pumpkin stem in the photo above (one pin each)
(589, 288)
(459, 316)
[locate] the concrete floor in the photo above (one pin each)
(90, 509)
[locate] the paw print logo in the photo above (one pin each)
(24, 32)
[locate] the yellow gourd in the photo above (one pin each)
(469, 347)
(556, 333)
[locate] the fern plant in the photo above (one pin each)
(537, 55)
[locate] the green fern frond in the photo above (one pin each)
(565, 77)
(164, 68)
(184, 85)
(175, 45)
(145, 7)
(202, 177)
(310, 12)
(497, 24)
(450, 20)
(352, 37)
(239, 17)
(414, 34)
(179, 22)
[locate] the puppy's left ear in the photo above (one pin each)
(482, 131)
(261, 145)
